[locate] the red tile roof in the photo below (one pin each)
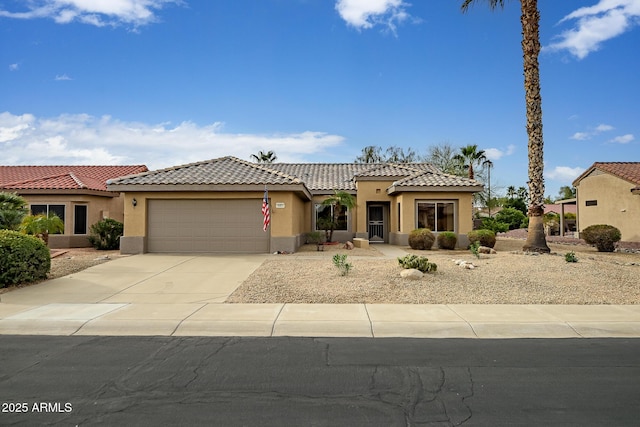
(63, 177)
(629, 171)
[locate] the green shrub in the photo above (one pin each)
(23, 258)
(484, 237)
(421, 239)
(493, 225)
(447, 240)
(340, 261)
(105, 234)
(570, 257)
(511, 216)
(418, 262)
(604, 237)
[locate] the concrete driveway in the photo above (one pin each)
(182, 295)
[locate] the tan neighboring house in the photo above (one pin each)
(215, 205)
(77, 194)
(609, 193)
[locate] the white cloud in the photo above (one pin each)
(580, 136)
(14, 67)
(596, 24)
(583, 136)
(84, 139)
(62, 77)
(496, 154)
(365, 14)
(623, 139)
(94, 12)
(564, 173)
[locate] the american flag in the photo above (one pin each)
(265, 210)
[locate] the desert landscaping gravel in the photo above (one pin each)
(508, 277)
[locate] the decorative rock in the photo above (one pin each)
(486, 250)
(411, 274)
(348, 245)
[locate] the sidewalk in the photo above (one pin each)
(183, 295)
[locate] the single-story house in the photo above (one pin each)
(215, 205)
(608, 193)
(77, 194)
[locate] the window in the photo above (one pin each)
(325, 213)
(48, 210)
(436, 216)
(80, 219)
(591, 203)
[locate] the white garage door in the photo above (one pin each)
(206, 226)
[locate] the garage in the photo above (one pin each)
(204, 225)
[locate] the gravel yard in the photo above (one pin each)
(503, 278)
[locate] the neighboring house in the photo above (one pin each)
(215, 205)
(77, 194)
(609, 193)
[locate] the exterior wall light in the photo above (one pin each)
(134, 202)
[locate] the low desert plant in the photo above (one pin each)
(485, 237)
(340, 261)
(105, 234)
(418, 262)
(421, 239)
(23, 258)
(314, 237)
(603, 236)
(570, 257)
(474, 248)
(447, 240)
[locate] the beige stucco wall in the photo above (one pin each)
(616, 206)
(98, 207)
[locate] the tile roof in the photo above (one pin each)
(629, 171)
(62, 177)
(225, 170)
(317, 177)
(431, 179)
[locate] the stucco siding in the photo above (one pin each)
(606, 199)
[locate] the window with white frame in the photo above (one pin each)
(324, 214)
(437, 216)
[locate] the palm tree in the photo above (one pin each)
(443, 157)
(530, 20)
(470, 156)
(12, 209)
(42, 225)
(511, 191)
(337, 201)
(262, 157)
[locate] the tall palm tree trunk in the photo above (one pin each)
(536, 241)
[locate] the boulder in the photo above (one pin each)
(486, 250)
(411, 274)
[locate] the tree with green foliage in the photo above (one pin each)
(13, 209)
(566, 192)
(530, 20)
(393, 154)
(444, 157)
(470, 156)
(42, 225)
(262, 157)
(338, 200)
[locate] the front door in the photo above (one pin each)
(376, 224)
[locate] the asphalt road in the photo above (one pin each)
(165, 381)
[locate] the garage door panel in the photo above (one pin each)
(206, 226)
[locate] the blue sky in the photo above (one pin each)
(166, 82)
